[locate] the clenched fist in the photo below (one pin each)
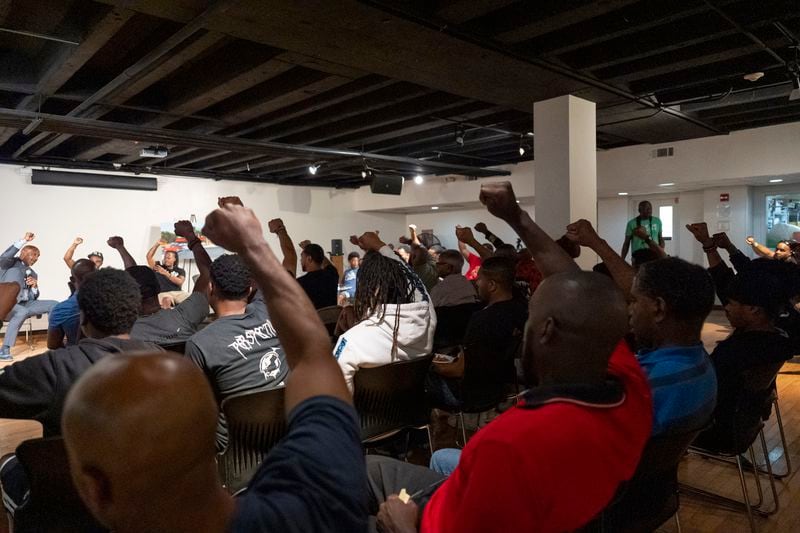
(235, 228)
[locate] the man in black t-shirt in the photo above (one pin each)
(240, 351)
(139, 423)
(321, 279)
(479, 374)
(170, 277)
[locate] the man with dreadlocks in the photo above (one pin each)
(395, 319)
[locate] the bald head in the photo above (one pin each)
(576, 319)
(81, 269)
(135, 424)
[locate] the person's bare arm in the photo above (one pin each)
(464, 235)
(118, 244)
(626, 246)
(550, 258)
(453, 369)
(464, 251)
(584, 234)
(759, 249)
(491, 237)
(653, 245)
(661, 242)
(55, 338)
(700, 232)
(289, 263)
(412, 229)
(151, 255)
(300, 330)
(71, 251)
(184, 228)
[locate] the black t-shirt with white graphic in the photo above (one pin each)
(170, 326)
(165, 285)
(239, 353)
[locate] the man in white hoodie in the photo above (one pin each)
(395, 319)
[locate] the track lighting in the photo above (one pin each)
(418, 179)
(312, 169)
(460, 133)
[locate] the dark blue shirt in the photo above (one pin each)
(66, 316)
(315, 479)
(684, 387)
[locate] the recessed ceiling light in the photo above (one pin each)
(517, 201)
(669, 184)
(418, 179)
(622, 194)
(775, 181)
(434, 207)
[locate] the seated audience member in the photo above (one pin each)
(782, 252)
(486, 364)
(590, 414)
(434, 250)
(321, 279)
(670, 300)
(168, 326)
(65, 317)
(170, 276)
(349, 278)
(125, 447)
(395, 319)
(94, 257)
(17, 269)
(465, 237)
(454, 288)
(403, 251)
(36, 387)
(421, 261)
(239, 351)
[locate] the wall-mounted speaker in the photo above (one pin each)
(386, 185)
(103, 181)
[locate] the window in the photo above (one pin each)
(665, 214)
(783, 217)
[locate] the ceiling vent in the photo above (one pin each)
(662, 152)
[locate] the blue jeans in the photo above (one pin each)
(445, 460)
(19, 313)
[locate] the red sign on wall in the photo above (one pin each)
(724, 197)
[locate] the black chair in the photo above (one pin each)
(391, 399)
(256, 422)
(451, 324)
(54, 504)
(650, 498)
(729, 442)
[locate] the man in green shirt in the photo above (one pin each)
(647, 221)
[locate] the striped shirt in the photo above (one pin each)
(684, 387)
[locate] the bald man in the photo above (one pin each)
(17, 269)
(554, 460)
(142, 467)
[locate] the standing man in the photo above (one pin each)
(321, 279)
(170, 277)
(95, 257)
(652, 226)
(349, 278)
(18, 270)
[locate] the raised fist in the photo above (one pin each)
(304, 243)
(499, 199)
(369, 241)
(115, 242)
(184, 228)
(229, 200)
(354, 240)
(235, 228)
(29, 236)
(275, 225)
(481, 227)
(77, 241)
(464, 234)
(583, 233)
(700, 232)
(750, 240)
(722, 240)
(641, 232)
(404, 240)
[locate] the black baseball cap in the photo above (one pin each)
(98, 254)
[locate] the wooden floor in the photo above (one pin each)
(695, 515)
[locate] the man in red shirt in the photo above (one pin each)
(556, 459)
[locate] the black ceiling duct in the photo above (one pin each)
(102, 181)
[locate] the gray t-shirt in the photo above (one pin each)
(239, 353)
(169, 326)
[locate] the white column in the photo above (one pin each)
(565, 159)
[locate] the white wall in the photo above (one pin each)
(612, 215)
(58, 214)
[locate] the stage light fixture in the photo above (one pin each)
(418, 179)
(312, 169)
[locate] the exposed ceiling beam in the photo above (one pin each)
(61, 66)
(561, 20)
(461, 11)
(98, 128)
(132, 73)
